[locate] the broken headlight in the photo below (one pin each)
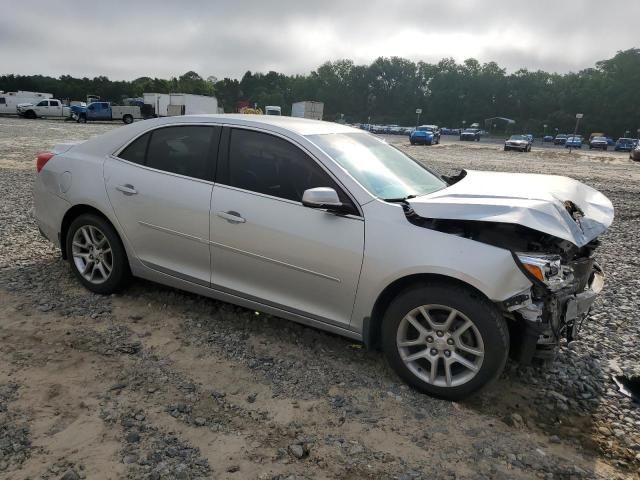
(546, 269)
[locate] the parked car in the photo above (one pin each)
(49, 108)
(377, 129)
(634, 154)
(611, 142)
(426, 135)
(598, 142)
(596, 134)
(286, 220)
(573, 142)
(518, 142)
(396, 130)
(560, 139)
(548, 139)
(470, 135)
(624, 144)
(105, 111)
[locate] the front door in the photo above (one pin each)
(160, 189)
(267, 246)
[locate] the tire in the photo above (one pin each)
(487, 332)
(82, 118)
(30, 114)
(412, 142)
(127, 119)
(79, 249)
(506, 149)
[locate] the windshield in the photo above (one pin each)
(517, 137)
(383, 170)
(599, 139)
(625, 140)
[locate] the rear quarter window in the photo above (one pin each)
(136, 151)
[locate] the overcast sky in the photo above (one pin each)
(128, 39)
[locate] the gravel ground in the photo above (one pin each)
(160, 384)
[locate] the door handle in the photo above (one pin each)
(127, 189)
(231, 216)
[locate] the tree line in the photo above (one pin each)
(389, 90)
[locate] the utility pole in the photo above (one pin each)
(575, 131)
(418, 112)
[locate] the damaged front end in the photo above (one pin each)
(552, 240)
(559, 301)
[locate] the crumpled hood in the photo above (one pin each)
(534, 201)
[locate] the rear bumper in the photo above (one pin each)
(48, 211)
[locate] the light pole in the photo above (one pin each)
(575, 131)
(545, 129)
(418, 112)
(463, 122)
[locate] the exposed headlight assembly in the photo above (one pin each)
(546, 269)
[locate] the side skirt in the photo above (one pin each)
(141, 271)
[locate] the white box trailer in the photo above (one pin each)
(9, 101)
(188, 104)
(159, 101)
(307, 109)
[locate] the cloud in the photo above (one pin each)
(128, 39)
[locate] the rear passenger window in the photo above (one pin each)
(184, 150)
(136, 151)
(53, 104)
(3, 101)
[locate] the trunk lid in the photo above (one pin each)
(552, 204)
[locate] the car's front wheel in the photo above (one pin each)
(445, 340)
(97, 255)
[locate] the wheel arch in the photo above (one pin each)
(73, 213)
(372, 325)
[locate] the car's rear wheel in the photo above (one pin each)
(445, 340)
(96, 254)
(127, 119)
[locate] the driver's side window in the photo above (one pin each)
(43, 103)
(267, 164)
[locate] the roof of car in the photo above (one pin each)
(301, 126)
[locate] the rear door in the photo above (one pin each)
(266, 245)
(55, 108)
(160, 188)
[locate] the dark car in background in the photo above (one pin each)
(624, 144)
(470, 135)
(560, 139)
(573, 142)
(548, 139)
(599, 143)
(426, 135)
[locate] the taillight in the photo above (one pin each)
(42, 159)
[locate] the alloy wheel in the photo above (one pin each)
(440, 345)
(92, 254)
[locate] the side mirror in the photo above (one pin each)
(322, 197)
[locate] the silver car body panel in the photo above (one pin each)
(531, 200)
(282, 251)
(166, 222)
(302, 264)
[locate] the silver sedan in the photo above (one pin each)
(329, 226)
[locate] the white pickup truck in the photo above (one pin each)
(51, 107)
